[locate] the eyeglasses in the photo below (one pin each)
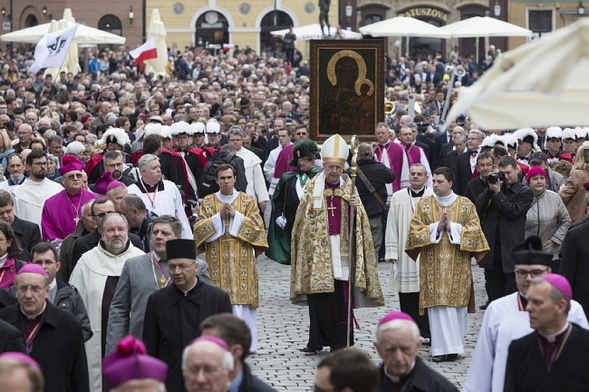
(40, 163)
(194, 371)
(73, 177)
(301, 133)
(34, 288)
(533, 273)
(103, 214)
(180, 267)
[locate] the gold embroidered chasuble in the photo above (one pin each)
(445, 270)
(232, 260)
(311, 262)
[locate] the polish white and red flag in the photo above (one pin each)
(146, 51)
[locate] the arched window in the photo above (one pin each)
(111, 24)
(31, 21)
(212, 28)
(273, 21)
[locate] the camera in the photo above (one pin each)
(493, 178)
(586, 155)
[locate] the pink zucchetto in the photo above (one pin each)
(560, 283)
(20, 357)
(395, 315)
(213, 339)
(32, 269)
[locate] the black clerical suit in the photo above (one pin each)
(528, 367)
(58, 347)
(420, 379)
(172, 321)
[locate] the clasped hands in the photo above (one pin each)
(227, 211)
(444, 223)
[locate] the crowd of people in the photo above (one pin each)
(133, 207)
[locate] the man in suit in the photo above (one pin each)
(502, 209)
(459, 142)
(440, 140)
(53, 337)
(446, 148)
(466, 163)
(548, 359)
(174, 313)
(27, 233)
(238, 337)
(141, 276)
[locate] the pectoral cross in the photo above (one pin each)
(76, 219)
(332, 208)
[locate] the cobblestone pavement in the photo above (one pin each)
(283, 330)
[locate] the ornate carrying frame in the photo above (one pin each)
(357, 109)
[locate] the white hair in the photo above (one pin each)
(398, 324)
(145, 159)
(228, 361)
(75, 148)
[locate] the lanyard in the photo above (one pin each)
(164, 280)
(151, 201)
(32, 334)
(557, 350)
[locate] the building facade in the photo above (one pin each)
(212, 23)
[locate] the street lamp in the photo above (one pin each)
(581, 8)
(497, 9)
(131, 15)
(349, 10)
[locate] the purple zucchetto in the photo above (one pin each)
(70, 163)
(395, 315)
(560, 283)
(130, 362)
(213, 339)
(16, 356)
(32, 269)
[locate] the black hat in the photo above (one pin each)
(530, 252)
(181, 249)
(538, 157)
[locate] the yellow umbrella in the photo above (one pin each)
(71, 63)
(157, 30)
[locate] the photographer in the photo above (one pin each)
(502, 209)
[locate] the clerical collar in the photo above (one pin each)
(148, 188)
(446, 200)
(193, 286)
(33, 317)
(227, 198)
(417, 193)
(552, 337)
(396, 379)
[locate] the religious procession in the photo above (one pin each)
(142, 212)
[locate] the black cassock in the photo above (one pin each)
(58, 347)
(172, 321)
(527, 365)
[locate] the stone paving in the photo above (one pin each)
(283, 330)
